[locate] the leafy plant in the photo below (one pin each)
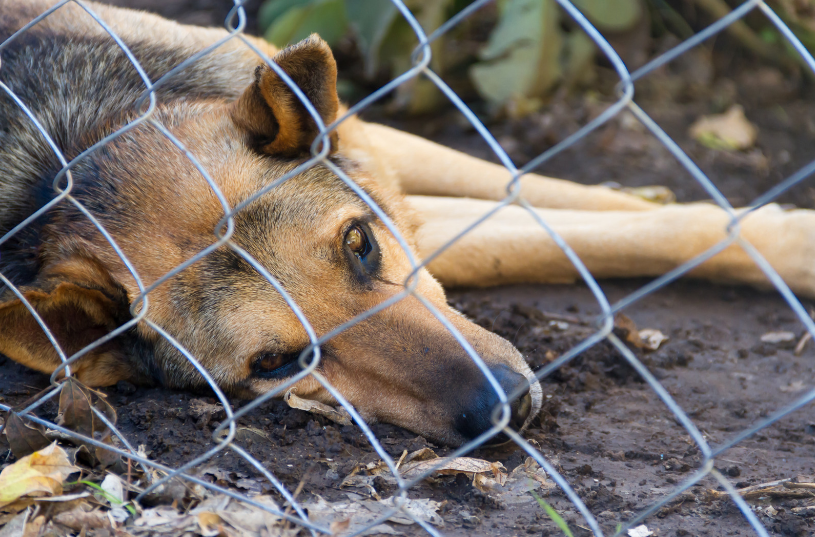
(527, 54)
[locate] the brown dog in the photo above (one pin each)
(330, 252)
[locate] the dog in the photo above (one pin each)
(328, 249)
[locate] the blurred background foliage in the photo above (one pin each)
(514, 55)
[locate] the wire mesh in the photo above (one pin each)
(224, 438)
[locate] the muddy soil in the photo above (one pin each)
(603, 427)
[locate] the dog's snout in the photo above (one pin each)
(476, 418)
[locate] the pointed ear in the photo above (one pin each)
(275, 117)
(79, 302)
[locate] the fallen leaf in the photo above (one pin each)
(16, 526)
(649, 339)
(209, 523)
(730, 131)
(793, 387)
(627, 329)
(655, 193)
(526, 477)
(78, 519)
(453, 466)
(114, 487)
(420, 462)
(39, 474)
(337, 415)
(24, 438)
(652, 338)
(640, 531)
(166, 520)
(250, 519)
(778, 337)
(78, 406)
(356, 515)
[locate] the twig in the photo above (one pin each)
(743, 33)
(768, 490)
(802, 343)
(296, 493)
(399, 462)
(790, 485)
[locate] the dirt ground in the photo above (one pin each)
(603, 427)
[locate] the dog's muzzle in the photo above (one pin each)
(477, 419)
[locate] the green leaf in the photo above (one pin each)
(324, 17)
(579, 63)
(371, 21)
(522, 56)
(271, 10)
(551, 513)
(611, 15)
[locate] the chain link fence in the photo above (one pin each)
(224, 436)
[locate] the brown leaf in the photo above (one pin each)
(627, 330)
(75, 408)
(337, 415)
(452, 466)
(78, 519)
(24, 438)
(76, 412)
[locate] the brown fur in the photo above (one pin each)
(400, 365)
(247, 129)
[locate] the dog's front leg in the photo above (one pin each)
(511, 247)
(426, 168)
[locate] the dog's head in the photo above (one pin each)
(313, 234)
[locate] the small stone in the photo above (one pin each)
(733, 471)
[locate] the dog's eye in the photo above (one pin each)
(357, 241)
(274, 365)
(360, 242)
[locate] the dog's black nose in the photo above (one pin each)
(477, 417)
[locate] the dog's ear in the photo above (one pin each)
(79, 302)
(272, 113)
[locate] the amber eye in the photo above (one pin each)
(361, 242)
(357, 241)
(273, 364)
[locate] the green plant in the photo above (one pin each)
(106, 494)
(527, 54)
(551, 513)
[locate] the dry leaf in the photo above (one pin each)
(640, 531)
(452, 466)
(24, 438)
(114, 487)
(730, 131)
(39, 474)
(209, 523)
(354, 516)
(648, 338)
(524, 478)
(250, 519)
(420, 462)
(76, 404)
(654, 193)
(778, 337)
(78, 519)
(793, 387)
(337, 415)
(627, 329)
(652, 338)
(16, 526)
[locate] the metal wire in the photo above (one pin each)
(224, 435)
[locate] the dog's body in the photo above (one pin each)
(312, 233)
